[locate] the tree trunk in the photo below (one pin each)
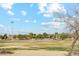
(73, 45)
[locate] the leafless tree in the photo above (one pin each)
(72, 23)
(73, 26)
(71, 19)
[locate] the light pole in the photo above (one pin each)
(12, 22)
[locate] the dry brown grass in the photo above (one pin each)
(38, 47)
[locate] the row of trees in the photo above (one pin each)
(55, 36)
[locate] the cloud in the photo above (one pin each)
(23, 12)
(55, 7)
(1, 25)
(10, 12)
(7, 7)
(53, 24)
(34, 21)
(58, 19)
(46, 15)
(31, 21)
(14, 19)
(31, 5)
(27, 21)
(47, 9)
(41, 7)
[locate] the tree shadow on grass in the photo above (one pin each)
(38, 48)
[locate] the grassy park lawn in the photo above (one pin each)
(37, 45)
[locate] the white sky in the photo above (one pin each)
(39, 1)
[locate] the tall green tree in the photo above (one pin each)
(45, 35)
